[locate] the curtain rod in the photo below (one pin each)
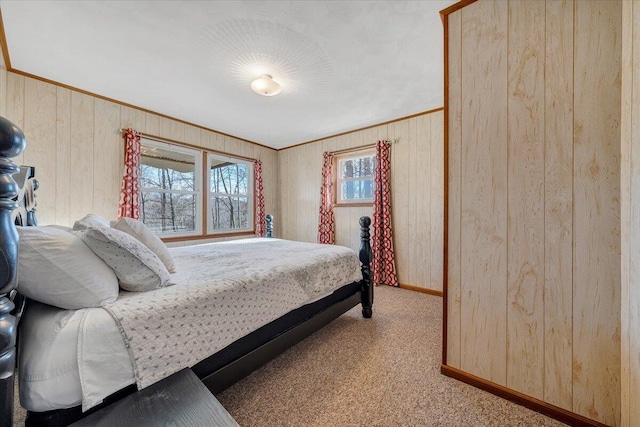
(184, 144)
(360, 148)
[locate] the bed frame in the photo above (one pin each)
(217, 372)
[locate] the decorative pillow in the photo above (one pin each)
(57, 268)
(90, 221)
(137, 267)
(141, 232)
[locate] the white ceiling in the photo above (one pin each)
(342, 65)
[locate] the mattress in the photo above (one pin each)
(73, 357)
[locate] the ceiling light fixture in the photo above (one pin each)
(264, 85)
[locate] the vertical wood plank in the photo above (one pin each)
(247, 150)
(422, 247)
(132, 118)
(384, 132)
(558, 276)
(212, 140)
(271, 187)
(329, 144)
(64, 193)
(107, 145)
(295, 201)
(152, 124)
(3, 91)
(525, 214)
(171, 129)
(596, 289)
(343, 219)
(231, 145)
(631, 408)
(306, 227)
(356, 139)
(219, 141)
(283, 191)
(290, 211)
(81, 174)
(40, 104)
(436, 205)
(629, 235)
(369, 136)
(454, 196)
(311, 198)
(286, 196)
(192, 135)
(207, 139)
(15, 106)
(410, 145)
(484, 189)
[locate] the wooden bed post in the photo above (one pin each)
(269, 220)
(365, 259)
(12, 143)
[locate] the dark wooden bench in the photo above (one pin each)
(180, 400)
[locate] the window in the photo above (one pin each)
(230, 195)
(354, 178)
(173, 201)
(170, 188)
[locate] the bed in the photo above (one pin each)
(144, 345)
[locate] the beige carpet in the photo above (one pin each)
(382, 371)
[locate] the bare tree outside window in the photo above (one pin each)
(230, 208)
(169, 194)
(355, 178)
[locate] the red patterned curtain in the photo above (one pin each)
(130, 192)
(261, 230)
(326, 225)
(383, 265)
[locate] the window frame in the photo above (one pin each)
(203, 228)
(250, 194)
(338, 180)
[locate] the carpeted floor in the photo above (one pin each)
(382, 371)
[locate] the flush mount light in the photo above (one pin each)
(264, 85)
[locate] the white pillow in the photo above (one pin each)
(138, 269)
(141, 232)
(60, 227)
(90, 221)
(57, 268)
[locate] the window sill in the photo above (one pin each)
(207, 236)
(352, 205)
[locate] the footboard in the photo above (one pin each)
(365, 260)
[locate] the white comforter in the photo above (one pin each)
(222, 292)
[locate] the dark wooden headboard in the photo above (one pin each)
(12, 143)
(25, 213)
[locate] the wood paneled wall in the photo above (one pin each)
(630, 213)
(533, 271)
(75, 144)
(3, 88)
(417, 194)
